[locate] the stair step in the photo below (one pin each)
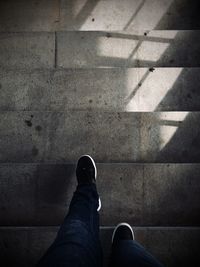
(31, 15)
(111, 89)
(99, 49)
(46, 15)
(27, 50)
(119, 49)
(108, 136)
(141, 194)
(24, 246)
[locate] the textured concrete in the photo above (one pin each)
(138, 49)
(118, 89)
(113, 15)
(167, 137)
(31, 15)
(63, 136)
(181, 15)
(171, 193)
(100, 49)
(172, 246)
(93, 89)
(108, 136)
(27, 50)
(141, 194)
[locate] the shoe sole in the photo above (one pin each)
(99, 207)
(124, 224)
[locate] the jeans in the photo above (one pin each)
(78, 244)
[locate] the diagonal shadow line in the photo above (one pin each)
(140, 43)
(172, 102)
(140, 40)
(190, 9)
(135, 90)
(184, 145)
(85, 12)
(133, 52)
(145, 76)
(134, 15)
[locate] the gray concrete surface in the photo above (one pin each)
(173, 246)
(63, 136)
(129, 15)
(111, 89)
(108, 136)
(102, 49)
(99, 49)
(27, 50)
(113, 15)
(31, 15)
(141, 194)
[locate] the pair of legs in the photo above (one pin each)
(78, 244)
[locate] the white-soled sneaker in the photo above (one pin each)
(86, 172)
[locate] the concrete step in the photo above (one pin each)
(24, 246)
(27, 50)
(141, 194)
(50, 15)
(109, 89)
(120, 49)
(99, 49)
(108, 136)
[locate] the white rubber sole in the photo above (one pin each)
(124, 224)
(98, 209)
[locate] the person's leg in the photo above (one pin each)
(126, 252)
(77, 242)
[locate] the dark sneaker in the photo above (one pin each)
(86, 172)
(123, 231)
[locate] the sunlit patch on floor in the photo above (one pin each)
(169, 124)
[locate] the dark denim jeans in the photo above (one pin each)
(78, 245)
(130, 253)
